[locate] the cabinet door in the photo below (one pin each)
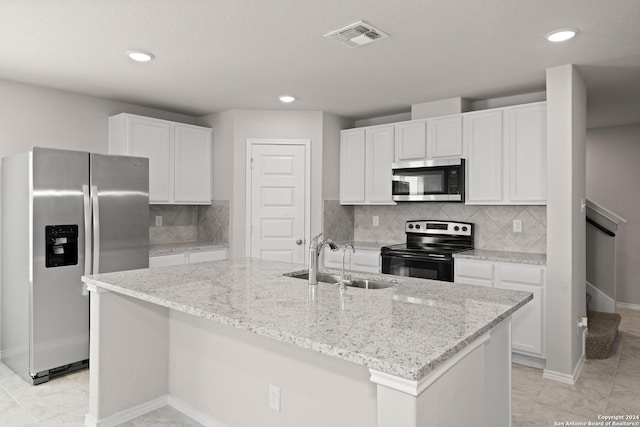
(164, 260)
(366, 261)
(192, 164)
(526, 143)
(527, 322)
(352, 166)
(483, 150)
(410, 141)
(151, 138)
(444, 137)
(333, 259)
(379, 152)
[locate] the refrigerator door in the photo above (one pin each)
(59, 327)
(120, 200)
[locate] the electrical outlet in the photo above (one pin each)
(274, 397)
(517, 226)
(158, 220)
(376, 220)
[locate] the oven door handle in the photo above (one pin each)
(432, 257)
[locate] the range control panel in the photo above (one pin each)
(439, 227)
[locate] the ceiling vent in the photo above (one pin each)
(356, 34)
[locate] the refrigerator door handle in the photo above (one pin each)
(87, 235)
(96, 229)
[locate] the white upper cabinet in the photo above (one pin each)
(366, 155)
(352, 166)
(192, 164)
(436, 138)
(378, 167)
(483, 148)
(526, 148)
(410, 141)
(444, 137)
(179, 156)
(506, 152)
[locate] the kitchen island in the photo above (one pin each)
(237, 343)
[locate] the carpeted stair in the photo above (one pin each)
(602, 331)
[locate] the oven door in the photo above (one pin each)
(420, 266)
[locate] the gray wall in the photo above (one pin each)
(32, 115)
(613, 176)
(231, 131)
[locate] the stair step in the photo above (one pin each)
(603, 328)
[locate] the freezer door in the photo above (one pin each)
(120, 200)
(59, 327)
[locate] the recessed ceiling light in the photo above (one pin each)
(287, 98)
(561, 35)
(140, 56)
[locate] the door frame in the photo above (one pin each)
(306, 143)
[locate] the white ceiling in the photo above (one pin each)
(216, 55)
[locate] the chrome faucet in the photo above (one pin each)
(314, 253)
(345, 280)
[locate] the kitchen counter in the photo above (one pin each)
(172, 248)
(504, 256)
(371, 246)
(402, 334)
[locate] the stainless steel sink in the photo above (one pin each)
(335, 278)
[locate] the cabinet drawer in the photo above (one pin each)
(474, 269)
(164, 260)
(521, 274)
(203, 256)
(366, 259)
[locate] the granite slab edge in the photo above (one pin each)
(503, 256)
(180, 247)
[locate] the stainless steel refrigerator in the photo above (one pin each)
(64, 214)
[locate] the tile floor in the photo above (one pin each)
(605, 387)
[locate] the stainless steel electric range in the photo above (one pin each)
(428, 251)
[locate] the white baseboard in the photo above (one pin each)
(530, 361)
(204, 419)
(628, 306)
(128, 414)
(565, 378)
(136, 411)
(599, 300)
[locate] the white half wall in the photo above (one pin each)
(613, 156)
(566, 230)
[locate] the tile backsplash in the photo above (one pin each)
(493, 224)
(189, 223)
(338, 221)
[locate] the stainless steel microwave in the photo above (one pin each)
(428, 181)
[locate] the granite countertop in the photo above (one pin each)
(372, 246)
(503, 256)
(406, 330)
(172, 248)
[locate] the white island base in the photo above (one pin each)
(144, 356)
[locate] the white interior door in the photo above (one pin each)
(278, 201)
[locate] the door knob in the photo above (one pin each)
(299, 242)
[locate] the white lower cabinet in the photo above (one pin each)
(366, 261)
(187, 257)
(528, 323)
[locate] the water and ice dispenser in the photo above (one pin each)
(61, 245)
